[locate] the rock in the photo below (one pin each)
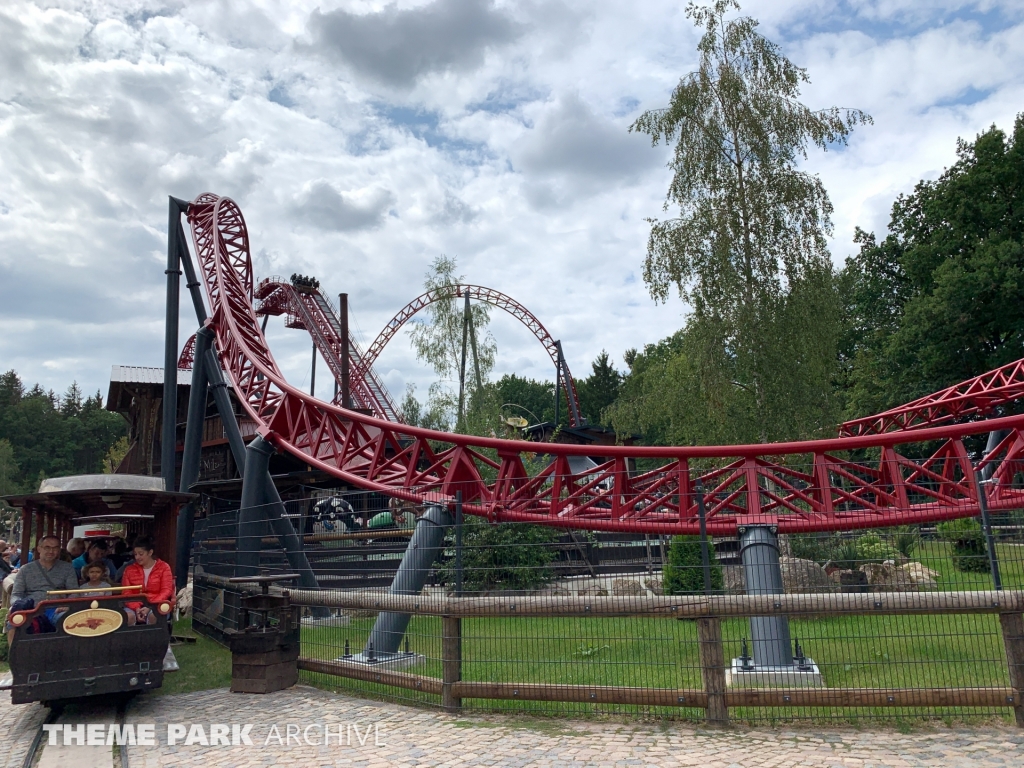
(918, 572)
(654, 585)
(886, 577)
(184, 600)
(801, 576)
(626, 588)
(732, 580)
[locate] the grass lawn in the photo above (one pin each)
(204, 664)
(851, 651)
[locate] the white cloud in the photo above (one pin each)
(362, 138)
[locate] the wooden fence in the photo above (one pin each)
(714, 697)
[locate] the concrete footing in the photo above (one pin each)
(806, 675)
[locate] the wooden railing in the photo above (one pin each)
(714, 697)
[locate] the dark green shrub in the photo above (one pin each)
(684, 573)
(844, 554)
(810, 546)
(508, 556)
(964, 535)
(905, 539)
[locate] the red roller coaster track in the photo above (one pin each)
(496, 299)
(979, 396)
(802, 486)
(308, 308)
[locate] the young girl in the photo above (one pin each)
(95, 575)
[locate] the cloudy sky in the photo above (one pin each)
(362, 139)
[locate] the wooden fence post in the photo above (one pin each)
(451, 657)
(712, 667)
(1013, 639)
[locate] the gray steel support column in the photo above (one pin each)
(573, 413)
(426, 543)
(346, 378)
(170, 394)
(252, 514)
(284, 530)
(762, 575)
(191, 280)
(994, 439)
(221, 397)
(312, 375)
(190, 457)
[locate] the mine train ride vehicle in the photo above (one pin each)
(72, 645)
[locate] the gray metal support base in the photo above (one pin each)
(424, 546)
(762, 575)
(191, 455)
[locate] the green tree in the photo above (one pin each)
(50, 437)
(438, 340)
(600, 389)
(10, 475)
(684, 569)
(507, 556)
(941, 297)
(747, 250)
(531, 399)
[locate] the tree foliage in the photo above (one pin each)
(438, 341)
(599, 390)
(507, 556)
(747, 250)
(940, 298)
(50, 436)
(684, 569)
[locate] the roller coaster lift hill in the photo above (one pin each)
(754, 491)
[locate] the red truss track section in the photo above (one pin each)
(804, 486)
(187, 357)
(979, 396)
(488, 296)
(311, 310)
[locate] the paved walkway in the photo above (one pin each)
(377, 735)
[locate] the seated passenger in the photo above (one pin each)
(96, 553)
(151, 573)
(75, 548)
(46, 573)
(121, 553)
(95, 575)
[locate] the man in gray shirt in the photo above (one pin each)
(44, 574)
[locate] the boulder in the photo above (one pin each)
(918, 572)
(886, 577)
(802, 576)
(626, 587)
(732, 580)
(922, 577)
(184, 600)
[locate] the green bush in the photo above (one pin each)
(684, 573)
(810, 546)
(844, 554)
(508, 556)
(905, 539)
(871, 549)
(969, 554)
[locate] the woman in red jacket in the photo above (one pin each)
(153, 575)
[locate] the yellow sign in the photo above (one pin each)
(93, 622)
